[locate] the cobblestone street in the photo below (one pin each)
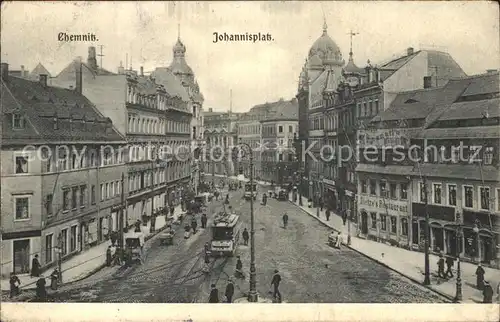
(311, 270)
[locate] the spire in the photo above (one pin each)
(230, 101)
(325, 26)
(178, 31)
(351, 34)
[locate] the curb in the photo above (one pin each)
(447, 296)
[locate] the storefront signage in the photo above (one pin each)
(330, 182)
(388, 204)
(383, 137)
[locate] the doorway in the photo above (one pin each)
(21, 256)
(485, 244)
(437, 239)
(451, 242)
(364, 223)
(414, 233)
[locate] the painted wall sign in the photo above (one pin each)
(376, 202)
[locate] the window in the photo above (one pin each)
(383, 222)
(436, 187)
(404, 226)
(404, 191)
(83, 196)
(48, 248)
(103, 192)
(484, 193)
(74, 195)
(72, 239)
(423, 192)
(74, 163)
(488, 155)
(22, 208)
(373, 187)
(363, 186)
(468, 197)
(107, 193)
(452, 195)
(66, 199)
(21, 164)
(48, 204)
(64, 241)
(394, 223)
(62, 160)
(392, 190)
(383, 191)
(290, 128)
(374, 220)
(280, 129)
(92, 195)
(17, 122)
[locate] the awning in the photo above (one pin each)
(477, 132)
(389, 169)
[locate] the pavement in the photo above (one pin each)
(410, 263)
(87, 262)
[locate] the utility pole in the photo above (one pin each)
(120, 219)
(427, 280)
(252, 295)
(101, 55)
(59, 258)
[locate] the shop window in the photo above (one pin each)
(436, 187)
(452, 195)
(468, 196)
(394, 225)
(404, 191)
(484, 193)
(404, 227)
(383, 222)
(373, 216)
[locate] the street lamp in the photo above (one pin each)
(458, 294)
(348, 226)
(475, 229)
(252, 294)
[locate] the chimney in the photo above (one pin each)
(210, 110)
(22, 71)
(5, 71)
(409, 51)
(491, 71)
(427, 81)
(43, 79)
(78, 73)
(142, 71)
(91, 59)
(121, 69)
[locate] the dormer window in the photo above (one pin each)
(17, 121)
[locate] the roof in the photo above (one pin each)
(476, 132)
(226, 221)
(78, 119)
(351, 67)
(483, 84)
(70, 69)
(459, 171)
(146, 86)
(472, 109)
(172, 84)
(283, 110)
(37, 71)
(388, 169)
(323, 47)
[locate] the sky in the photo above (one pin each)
(256, 72)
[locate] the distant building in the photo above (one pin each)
(62, 163)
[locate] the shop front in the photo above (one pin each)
(481, 237)
(330, 194)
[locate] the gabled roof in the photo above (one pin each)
(284, 110)
(146, 86)
(173, 86)
(37, 71)
(40, 104)
(483, 84)
(68, 72)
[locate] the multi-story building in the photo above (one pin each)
(61, 176)
(278, 159)
(150, 113)
(452, 187)
(221, 130)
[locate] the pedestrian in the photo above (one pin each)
(214, 294)
(138, 225)
(245, 237)
(14, 284)
(449, 265)
(41, 292)
(479, 277)
(172, 209)
(114, 237)
(194, 224)
(204, 220)
(35, 267)
(239, 269)
(229, 291)
(152, 226)
(275, 282)
(344, 217)
(441, 267)
(109, 256)
(487, 293)
(321, 204)
(327, 214)
(54, 278)
(309, 203)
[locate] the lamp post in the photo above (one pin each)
(427, 278)
(252, 294)
(59, 256)
(348, 226)
(475, 229)
(458, 294)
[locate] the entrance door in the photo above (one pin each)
(437, 238)
(21, 256)
(451, 242)
(364, 223)
(414, 233)
(485, 249)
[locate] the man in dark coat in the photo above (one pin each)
(487, 293)
(239, 268)
(275, 282)
(441, 267)
(449, 265)
(35, 267)
(245, 236)
(479, 277)
(214, 295)
(41, 292)
(109, 257)
(229, 291)
(204, 220)
(194, 224)
(327, 214)
(14, 284)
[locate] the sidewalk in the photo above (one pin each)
(410, 263)
(87, 262)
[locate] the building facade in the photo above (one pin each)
(63, 163)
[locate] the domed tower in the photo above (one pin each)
(351, 72)
(179, 66)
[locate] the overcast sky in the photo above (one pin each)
(257, 72)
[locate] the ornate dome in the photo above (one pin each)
(351, 67)
(179, 65)
(324, 46)
(315, 62)
(179, 47)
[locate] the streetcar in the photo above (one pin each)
(225, 234)
(250, 191)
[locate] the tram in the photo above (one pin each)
(250, 191)
(225, 234)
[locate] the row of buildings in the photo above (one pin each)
(393, 128)
(268, 129)
(75, 144)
